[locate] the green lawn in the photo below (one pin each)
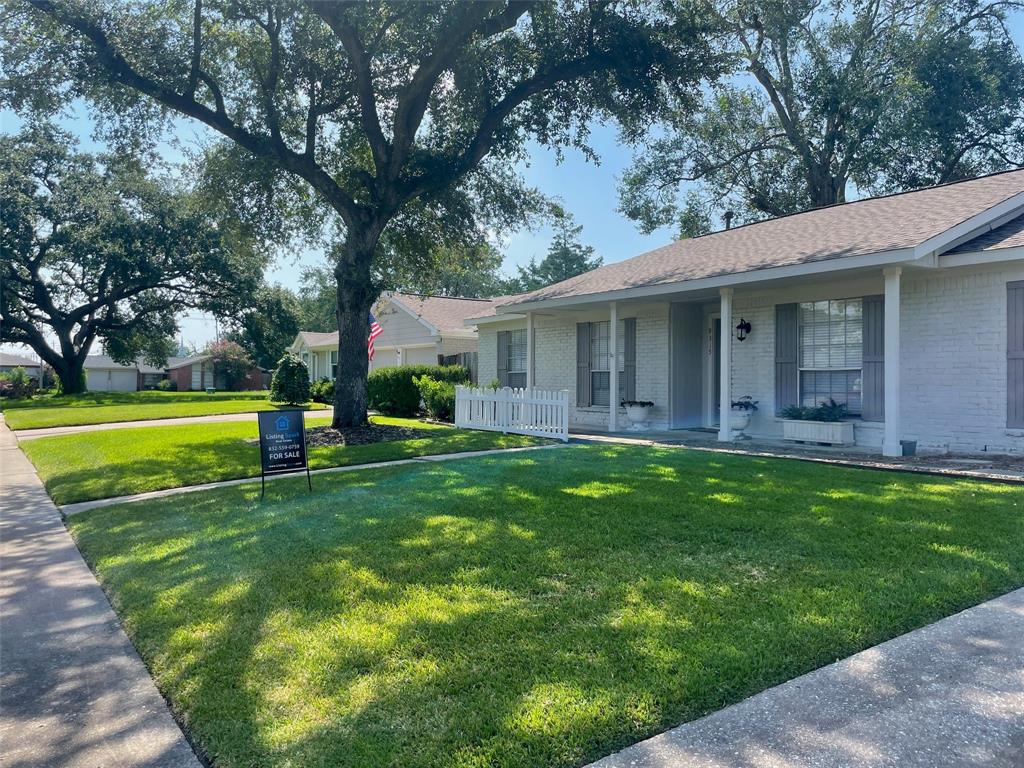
(109, 407)
(537, 609)
(117, 462)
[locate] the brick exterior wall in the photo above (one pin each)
(953, 355)
(182, 377)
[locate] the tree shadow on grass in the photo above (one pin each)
(524, 611)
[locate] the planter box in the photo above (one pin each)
(831, 432)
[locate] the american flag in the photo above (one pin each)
(375, 331)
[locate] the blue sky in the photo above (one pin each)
(586, 190)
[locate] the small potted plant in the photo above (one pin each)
(639, 412)
(740, 413)
(822, 424)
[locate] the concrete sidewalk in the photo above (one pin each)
(947, 695)
(75, 692)
(32, 434)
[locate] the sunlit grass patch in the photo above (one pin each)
(104, 464)
(498, 611)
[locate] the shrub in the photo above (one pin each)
(16, 384)
(322, 391)
(830, 411)
(393, 392)
(438, 397)
(290, 383)
(167, 385)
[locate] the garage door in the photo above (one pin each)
(123, 381)
(112, 381)
(419, 356)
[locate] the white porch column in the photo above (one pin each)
(891, 443)
(613, 373)
(725, 389)
(529, 350)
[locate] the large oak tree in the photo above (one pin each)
(884, 95)
(93, 248)
(381, 107)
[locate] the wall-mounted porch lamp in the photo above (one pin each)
(742, 329)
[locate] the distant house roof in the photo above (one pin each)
(105, 362)
(907, 221)
(444, 313)
(181, 362)
(316, 338)
(15, 361)
(1010, 235)
(440, 314)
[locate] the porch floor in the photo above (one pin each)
(1000, 467)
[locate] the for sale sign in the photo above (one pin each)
(282, 441)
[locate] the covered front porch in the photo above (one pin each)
(785, 342)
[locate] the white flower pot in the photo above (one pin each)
(739, 420)
(639, 416)
(830, 432)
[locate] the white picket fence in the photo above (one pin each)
(540, 412)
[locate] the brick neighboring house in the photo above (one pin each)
(196, 373)
(188, 373)
(908, 308)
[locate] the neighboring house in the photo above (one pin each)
(197, 373)
(416, 329)
(102, 374)
(189, 373)
(9, 362)
(908, 308)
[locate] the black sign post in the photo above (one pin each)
(282, 445)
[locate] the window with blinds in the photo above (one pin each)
(516, 360)
(831, 343)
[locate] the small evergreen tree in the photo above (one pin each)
(566, 257)
(290, 383)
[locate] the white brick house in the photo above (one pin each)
(908, 308)
(416, 330)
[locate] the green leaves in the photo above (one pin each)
(96, 249)
(823, 96)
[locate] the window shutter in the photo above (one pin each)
(503, 357)
(629, 357)
(582, 364)
(786, 393)
(873, 360)
(1015, 354)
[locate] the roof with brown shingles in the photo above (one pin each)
(446, 313)
(858, 228)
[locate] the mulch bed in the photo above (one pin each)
(371, 433)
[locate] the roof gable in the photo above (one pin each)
(440, 314)
(1009, 235)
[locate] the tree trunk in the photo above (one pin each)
(70, 374)
(355, 298)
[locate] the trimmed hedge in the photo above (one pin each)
(393, 392)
